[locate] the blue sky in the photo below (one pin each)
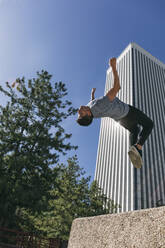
(73, 40)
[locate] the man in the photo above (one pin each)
(128, 116)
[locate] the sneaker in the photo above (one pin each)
(135, 156)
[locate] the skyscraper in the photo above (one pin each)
(142, 79)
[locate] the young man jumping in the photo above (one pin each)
(128, 116)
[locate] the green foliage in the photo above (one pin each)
(74, 198)
(36, 193)
(31, 140)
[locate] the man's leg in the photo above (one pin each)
(134, 135)
(130, 123)
(134, 118)
(147, 125)
(135, 152)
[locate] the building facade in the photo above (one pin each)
(142, 79)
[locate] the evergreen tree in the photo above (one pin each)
(31, 140)
(74, 198)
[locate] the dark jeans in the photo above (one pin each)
(132, 121)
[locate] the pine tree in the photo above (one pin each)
(74, 198)
(31, 140)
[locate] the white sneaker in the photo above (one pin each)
(135, 157)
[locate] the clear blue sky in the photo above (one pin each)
(73, 40)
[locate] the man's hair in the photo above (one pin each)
(85, 120)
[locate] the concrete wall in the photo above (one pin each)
(135, 229)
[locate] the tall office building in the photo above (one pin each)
(142, 78)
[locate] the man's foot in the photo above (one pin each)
(135, 156)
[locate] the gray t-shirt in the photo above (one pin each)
(103, 107)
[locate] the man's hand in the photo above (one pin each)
(116, 87)
(92, 93)
(112, 63)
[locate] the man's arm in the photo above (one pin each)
(116, 87)
(93, 94)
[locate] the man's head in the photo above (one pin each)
(85, 116)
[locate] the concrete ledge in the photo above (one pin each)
(135, 229)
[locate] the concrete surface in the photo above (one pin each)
(135, 229)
